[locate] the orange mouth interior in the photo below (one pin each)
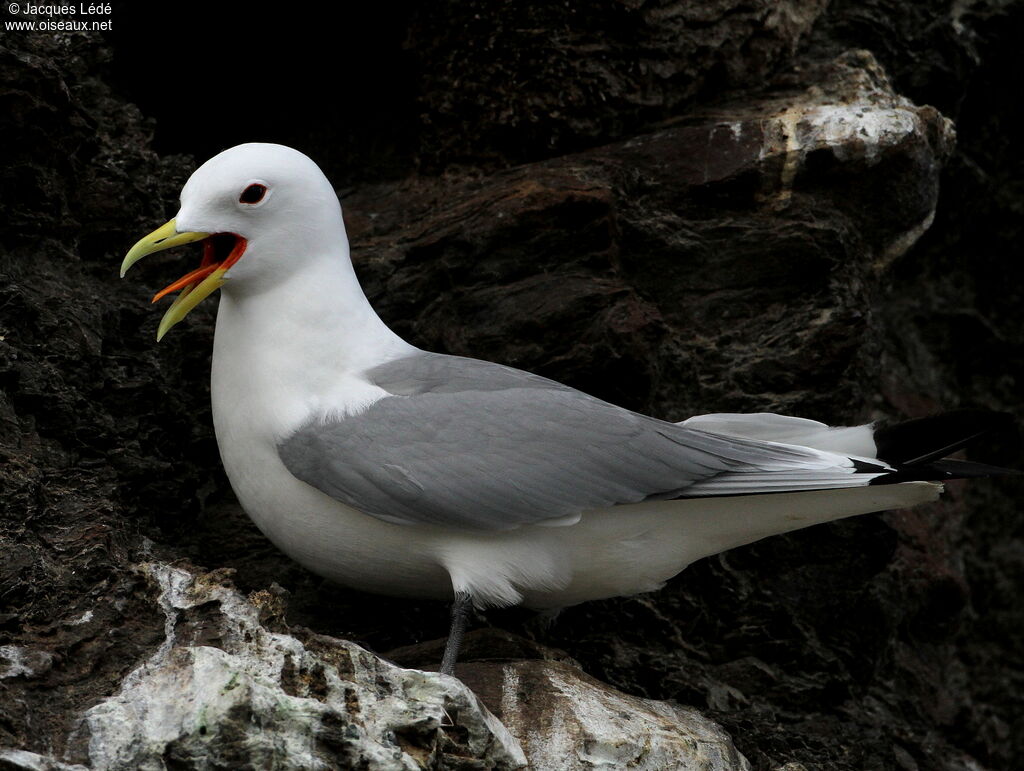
(220, 251)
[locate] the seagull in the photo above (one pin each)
(402, 472)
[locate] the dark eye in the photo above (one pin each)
(253, 194)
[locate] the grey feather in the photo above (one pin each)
(473, 444)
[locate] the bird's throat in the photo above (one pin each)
(303, 332)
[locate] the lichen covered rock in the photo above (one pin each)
(222, 691)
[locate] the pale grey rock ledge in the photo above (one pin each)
(223, 691)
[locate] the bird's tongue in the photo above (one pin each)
(214, 249)
(206, 267)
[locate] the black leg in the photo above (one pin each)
(460, 615)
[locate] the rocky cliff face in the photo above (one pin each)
(792, 207)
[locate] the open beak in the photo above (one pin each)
(220, 252)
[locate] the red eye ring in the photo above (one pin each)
(253, 194)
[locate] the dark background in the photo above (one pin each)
(887, 641)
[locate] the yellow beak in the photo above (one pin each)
(193, 290)
(164, 237)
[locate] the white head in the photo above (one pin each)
(262, 210)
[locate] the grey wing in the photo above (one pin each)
(471, 444)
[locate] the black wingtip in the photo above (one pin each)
(918, 448)
(942, 470)
(921, 441)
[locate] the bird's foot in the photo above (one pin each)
(461, 609)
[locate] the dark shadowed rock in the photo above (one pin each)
(520, 81)
(755, 235)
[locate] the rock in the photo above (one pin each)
(566, 721)
(22, 760)
(540, 79)
(840, 176)
(223, 691)
(16, 661)
(486, 644)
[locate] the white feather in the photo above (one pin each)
(857, 441)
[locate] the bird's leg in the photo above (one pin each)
(460, 615)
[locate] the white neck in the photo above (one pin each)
(298, 348)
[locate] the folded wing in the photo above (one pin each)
(471, 444)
